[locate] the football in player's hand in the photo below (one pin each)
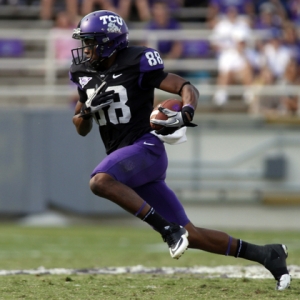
(172, 104)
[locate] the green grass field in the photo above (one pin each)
(89, 247)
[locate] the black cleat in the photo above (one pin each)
(275, 262)
(176, 238)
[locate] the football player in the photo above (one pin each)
(116, 85)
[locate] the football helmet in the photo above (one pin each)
(107, 29)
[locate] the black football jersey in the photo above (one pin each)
(127, 118)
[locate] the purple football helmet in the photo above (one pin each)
(107, 29)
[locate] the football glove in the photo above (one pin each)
(98, 100)
(175, 120)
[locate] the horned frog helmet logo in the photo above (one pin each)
(112, 27)
(112, 22)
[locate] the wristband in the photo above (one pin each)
(187, 109)
(185, 83)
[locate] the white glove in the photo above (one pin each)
(175, 118)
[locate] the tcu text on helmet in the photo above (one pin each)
(111, 18)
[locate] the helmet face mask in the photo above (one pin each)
(107, 29)
(79, 54)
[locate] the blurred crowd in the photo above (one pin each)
(257, 45)
(255, 42)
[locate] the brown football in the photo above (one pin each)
(172, 104)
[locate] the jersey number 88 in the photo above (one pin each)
(112, 110)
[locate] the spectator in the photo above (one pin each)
(291, 40)
(48, 8)
(277, 56)
(89, 6)
(221, 38)
(122, 7)
(234, 67)
(197, 48)
(267, 18)
(243, 7)
(280, 67)
(272, 105)
(134, 9)
(263, 104)
(219, 8)
(161, 20)
(293, 11)
(291, 76)
(278, 7)
(63, 42)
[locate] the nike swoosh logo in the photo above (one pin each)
(116, 76)
(145, 143)
(177, 245)
(174, 123)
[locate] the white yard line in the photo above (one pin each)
(208, 272)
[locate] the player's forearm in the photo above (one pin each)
(190, 95)
(83, 127)
(174, 84)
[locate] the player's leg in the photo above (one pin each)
(132, 166)
(210, 240)
(129, 167)
(166, 203)
(273, 257)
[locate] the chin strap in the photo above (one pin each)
(96, 64)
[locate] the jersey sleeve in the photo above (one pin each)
(82, 95)
(81, 92)
(153, 79)
(73, 74)
(151, 69)
(150, 61)
(74, 79)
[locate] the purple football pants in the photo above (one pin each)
(142, 166)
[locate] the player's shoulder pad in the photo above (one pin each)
(131, 55)
(151, 60)
(146, 59)
(81, 70)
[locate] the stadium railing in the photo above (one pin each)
(44, 88)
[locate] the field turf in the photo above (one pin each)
(90, 247)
